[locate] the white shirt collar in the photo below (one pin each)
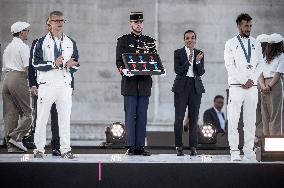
(217, 110)
(188, 51)
(55, 38)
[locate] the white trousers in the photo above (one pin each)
(62, 96)
(247, 98)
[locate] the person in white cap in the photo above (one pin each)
(244, 62)
(16, 95)
(263, 39)
(55, 58)
(271, 82)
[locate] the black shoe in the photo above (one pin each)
(28, 142)
(179, 151)
(56, 152)
(130, 151)
(142, 151)
(193, 151)
(185, 128)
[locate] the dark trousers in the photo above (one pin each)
(135, 108)
(55, 139)
(181, 100)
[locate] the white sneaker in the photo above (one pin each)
(39, 155)
(235, 157)
(249, 159)
(68, 155)
(18, 144)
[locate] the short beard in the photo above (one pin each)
(245, 35)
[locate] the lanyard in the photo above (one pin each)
(57, 52)
(247, 55)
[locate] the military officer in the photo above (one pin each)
(135, 89)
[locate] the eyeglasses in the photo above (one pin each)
(58, 21)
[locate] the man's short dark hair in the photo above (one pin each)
(218, 97)
(56, 13)
(189, 31)
(243, 16)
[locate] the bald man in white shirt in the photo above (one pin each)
(244, 62)
(16, 95)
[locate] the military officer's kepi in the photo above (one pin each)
(136, 16)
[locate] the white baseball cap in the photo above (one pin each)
(19, 26)
(262, 38)
(275, 38)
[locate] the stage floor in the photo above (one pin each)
(122, 158)
(115, 169)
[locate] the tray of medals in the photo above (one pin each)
(143, 64)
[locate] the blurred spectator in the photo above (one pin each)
(215, 115)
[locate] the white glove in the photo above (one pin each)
(126, 72)
(164, 74)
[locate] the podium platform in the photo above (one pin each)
(111, 168)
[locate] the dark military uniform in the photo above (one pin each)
(136, 91)
(137, 85)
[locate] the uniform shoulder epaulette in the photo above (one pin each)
(150, 37)
(120, 37)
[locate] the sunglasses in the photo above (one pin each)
(26, 30)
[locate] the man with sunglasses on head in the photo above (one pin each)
(136, 89)
(16, 96)
(55, 59)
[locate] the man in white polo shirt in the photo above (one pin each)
(16, 95)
